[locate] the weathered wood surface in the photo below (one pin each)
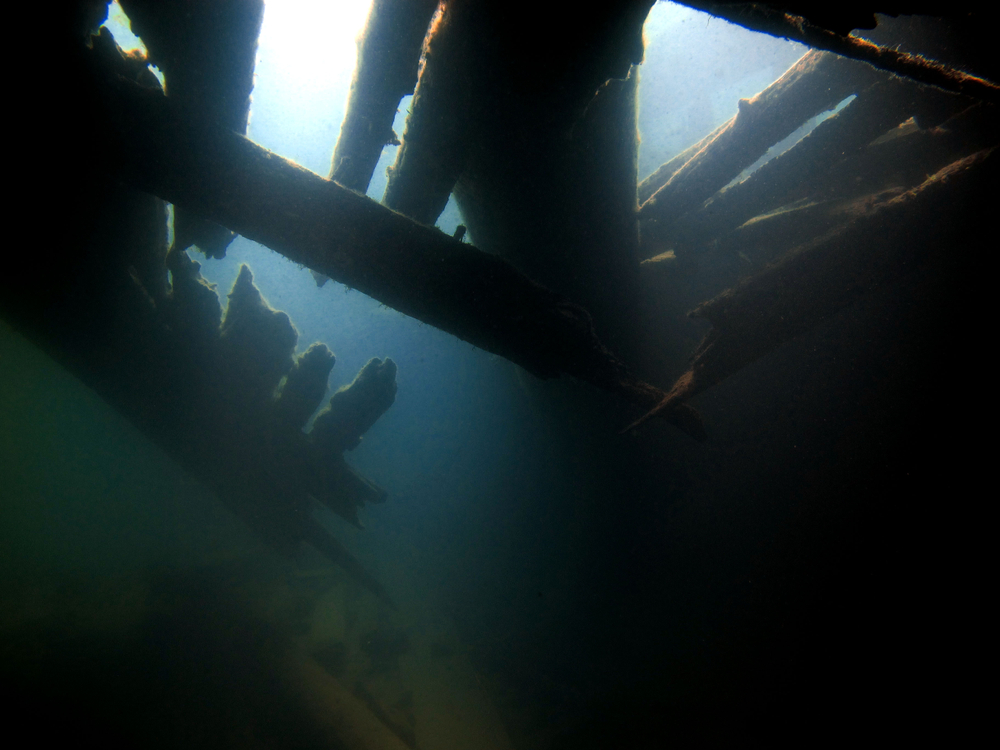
(413, 268)
(388, 60)
(759, 17)
(667, 170)
(817, 82)
(823, 276)
(208, 53)
(876, 110)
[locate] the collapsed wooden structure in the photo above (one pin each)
(544, 170)
(567, 267)
(571, 254)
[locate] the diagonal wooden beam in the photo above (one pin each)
(768, 20)
(815, 83)
(422, 272)
(828, 273)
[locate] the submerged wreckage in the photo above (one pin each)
(576, 267)
(574, 262)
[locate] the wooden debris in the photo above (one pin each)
(441, 122)
(759, 17)
(415, 269)
(825, 275)
(665, 171)
(199, 384)
(388, 57)
(238, 412)
(817, 82)
(895, 162)
(874, 112)
(207, 53)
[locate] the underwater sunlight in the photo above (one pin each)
(581, 405)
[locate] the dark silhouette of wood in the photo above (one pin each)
(413, 268)
(817, 82)
(207, 52)
(771, 20)
(807, 164)
(823, 276)
(388, 59)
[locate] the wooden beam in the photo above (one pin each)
(823, 276)
(410, 267)
(814, 84)
(760, 17)
(388, 59)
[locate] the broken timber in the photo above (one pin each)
(874, 112)
(207, 51)
(410, 267)
(823, 276)
(388, 58)
(759, 17)
(667, 170)
(814, 84)
(200, 385)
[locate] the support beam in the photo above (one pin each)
(415, 269)
(759, 17)
(442, 119)
(806, 165)
(814, 84)
(825, 275)
(207, 52)
(388, 59)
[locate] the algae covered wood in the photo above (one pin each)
(415, 269)
(207, 51)
(804, 170)
(760, 17)
(388, 60)
(828, 273)
(817, 82)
